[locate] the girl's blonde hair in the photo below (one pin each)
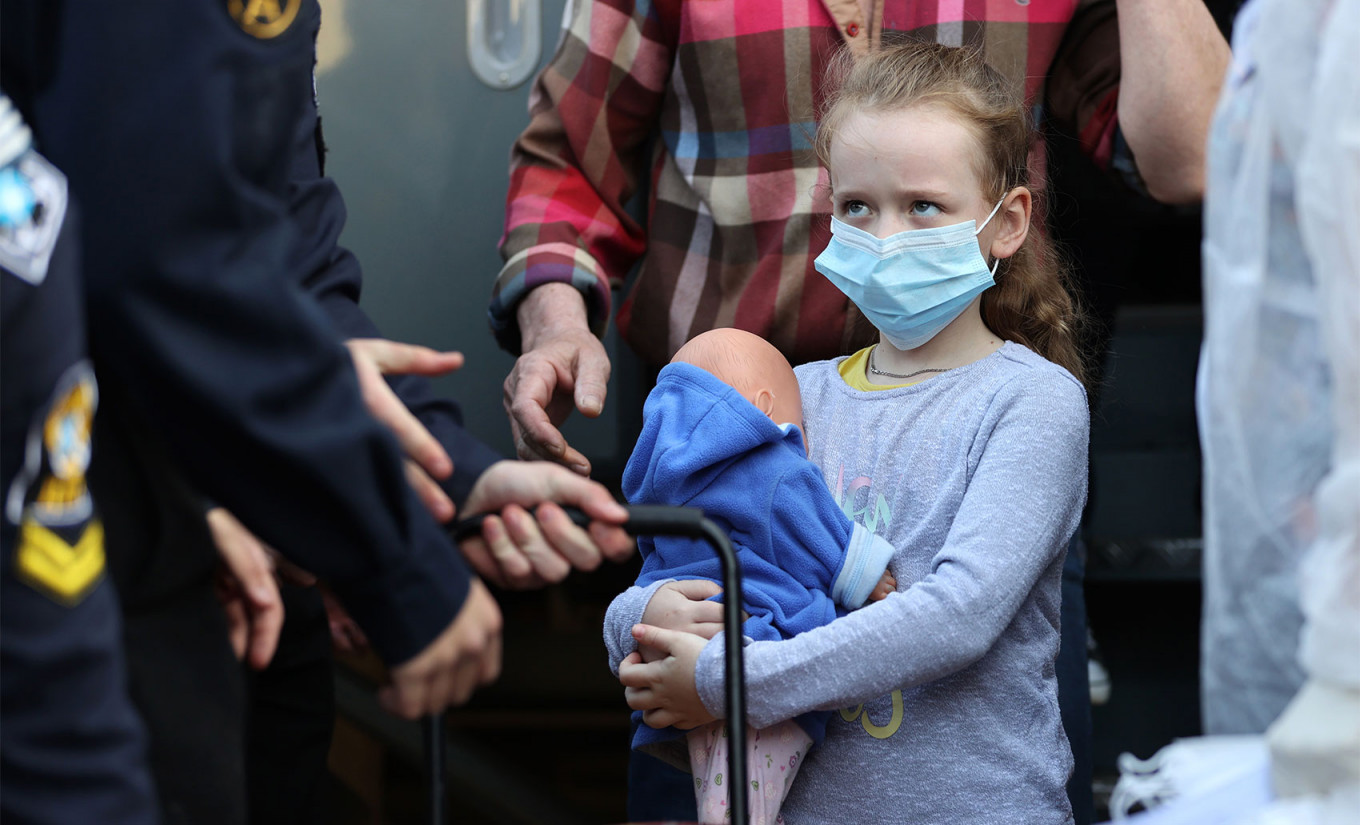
(1031, 303)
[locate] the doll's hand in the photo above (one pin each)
(664, 690)
(886, 585)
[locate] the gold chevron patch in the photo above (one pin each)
(64, 571)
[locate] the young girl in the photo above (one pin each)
(961, 438)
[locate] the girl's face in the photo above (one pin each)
(912, 168)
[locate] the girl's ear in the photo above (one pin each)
(1013, 222)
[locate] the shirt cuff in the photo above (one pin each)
(708, 676)
(547, 264)
(865, 560)
(625, 611)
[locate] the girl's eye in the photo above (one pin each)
(855, 209)
(925, 209)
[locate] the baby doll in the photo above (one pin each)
(722, 432)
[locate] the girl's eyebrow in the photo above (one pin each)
(925, 194)
(905, 194)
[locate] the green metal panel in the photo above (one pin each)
(420, 148)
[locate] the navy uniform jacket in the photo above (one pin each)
(71, 747)
(176, 125)
(331, 274)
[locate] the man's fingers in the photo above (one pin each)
(238, 626)
(448, 686)
(290, 572)
(528, 539)
(253, 606)
(614, 543)
(570, 541)
(429, 492)
(407, 701)
(526, 394)
(592, 379)
(479, 556)
(414, 439)
(453, 664)
(576, 461)
(515, 569)
(491, 663)
(593, 499)
(384, 405)
(265, 625)
(398, 358)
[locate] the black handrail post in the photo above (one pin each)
(436, 756)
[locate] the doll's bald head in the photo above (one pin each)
(753, 367)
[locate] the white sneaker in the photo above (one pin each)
(1100, 682)
(1096, 673)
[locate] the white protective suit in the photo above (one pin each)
(1279, 385)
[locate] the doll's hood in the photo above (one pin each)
(695, 427)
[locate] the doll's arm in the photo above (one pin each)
(817, 542)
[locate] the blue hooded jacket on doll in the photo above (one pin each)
(803, 561)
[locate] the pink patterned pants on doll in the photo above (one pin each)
(773, 756)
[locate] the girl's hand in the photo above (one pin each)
(684, 606)
(664, 690)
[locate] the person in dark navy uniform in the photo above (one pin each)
(72, 748)
(174, 122)
(291, 706)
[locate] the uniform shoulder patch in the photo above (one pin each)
(61, 544)
(264, 19)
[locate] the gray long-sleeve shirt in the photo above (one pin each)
(948, 700)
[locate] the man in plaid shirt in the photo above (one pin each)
(719, 98)
(721, 94)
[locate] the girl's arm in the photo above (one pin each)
(675, 605)
(1022, 505)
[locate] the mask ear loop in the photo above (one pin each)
(996, 262)
(991, 214)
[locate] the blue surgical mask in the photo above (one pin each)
(910, 285)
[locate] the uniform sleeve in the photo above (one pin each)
(593, 113)
(175, 126)
(1034, 466)
(332, 275)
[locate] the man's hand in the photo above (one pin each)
(465, 655)
(346, 635)
(521, 549)
(664, 690)
(246, 587)
(562, 364)
(426, 459)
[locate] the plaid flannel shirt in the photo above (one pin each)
(722, 95)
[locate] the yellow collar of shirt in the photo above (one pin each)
(855, 372)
